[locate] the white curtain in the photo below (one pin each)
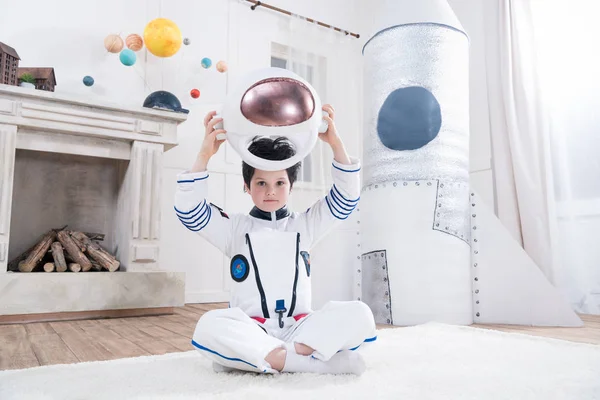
(567, 35)
(543, 85)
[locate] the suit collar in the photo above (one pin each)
(260, 214)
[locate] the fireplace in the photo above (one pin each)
(96, 168)
(76, 192)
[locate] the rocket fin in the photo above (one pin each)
(510, 288)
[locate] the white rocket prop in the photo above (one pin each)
(431, 250)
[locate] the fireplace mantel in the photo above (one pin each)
(44, 118)
(48, 122)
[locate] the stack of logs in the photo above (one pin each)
(66, 250)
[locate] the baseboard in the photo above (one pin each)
(207, 297)
(74, 315)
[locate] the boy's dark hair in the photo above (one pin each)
(271, 149)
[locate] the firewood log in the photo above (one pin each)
(13, 265)
(59, 257)
(95, 236)
(92, 235)
(95, 265)
(49, 267)
(79, 244)
(101, 256)
(71, 247)
(38, 252)
(74, 267)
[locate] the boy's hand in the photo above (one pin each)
(210, 144)
(330, 136)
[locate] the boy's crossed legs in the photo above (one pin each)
(296, 357)
(321, 343)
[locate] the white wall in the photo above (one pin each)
(66, 36)
(69, 37)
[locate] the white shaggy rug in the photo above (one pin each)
(431, 361)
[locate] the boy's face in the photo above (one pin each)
(269, 189)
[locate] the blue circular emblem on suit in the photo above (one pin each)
(239, 268)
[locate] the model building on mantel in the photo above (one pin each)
(9, 65)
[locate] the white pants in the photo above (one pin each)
(231, 338)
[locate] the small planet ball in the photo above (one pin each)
(187, 41)
(221, 66)
(206, 62)
(162, 37)
(134, 42)
(195, 93)
(113, 43)
(88, 80)
(127, 57)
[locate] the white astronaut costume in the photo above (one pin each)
(270, 268)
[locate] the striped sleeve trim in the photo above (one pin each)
(351, 168)
(339, 208)
(196, 219)
(193, 213)
(192, 180)
(340, 195)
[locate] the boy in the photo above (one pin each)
(270, 326)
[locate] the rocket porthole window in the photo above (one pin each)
(409, 119)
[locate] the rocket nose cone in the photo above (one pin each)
(390, 13)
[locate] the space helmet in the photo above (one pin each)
(272, 102)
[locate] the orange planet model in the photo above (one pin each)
(113, 43)
(134, 42)
(222, 66)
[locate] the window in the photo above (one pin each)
(310, 67)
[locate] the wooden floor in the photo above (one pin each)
(46, 343)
